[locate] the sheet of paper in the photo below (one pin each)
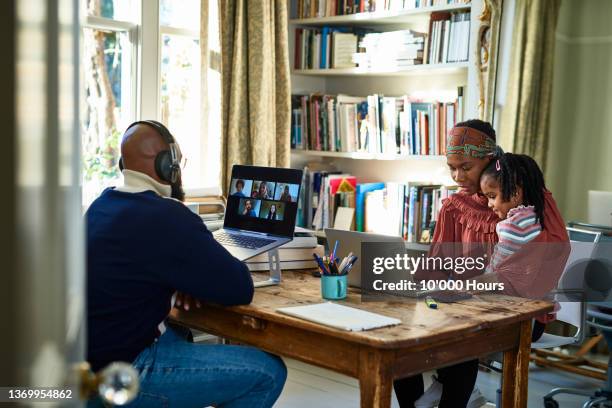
(344, 218)
(340, 316)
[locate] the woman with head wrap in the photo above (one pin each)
(466, 228)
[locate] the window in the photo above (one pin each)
(180, 81)
(141, 59)
(109, 57)
(212, 168)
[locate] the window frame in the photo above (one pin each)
(145, 37)
(131, 29)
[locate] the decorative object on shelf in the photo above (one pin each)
(486, 58)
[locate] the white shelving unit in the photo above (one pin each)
(380, 18)
(415, 70)
(367, 156)
(360, 82)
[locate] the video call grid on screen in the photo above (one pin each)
(263, 199)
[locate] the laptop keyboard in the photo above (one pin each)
(243, 241)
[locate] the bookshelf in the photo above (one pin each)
(369, 156)
(409, 80)
(415, 70)
(379, 18)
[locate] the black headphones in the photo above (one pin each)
(167, 162)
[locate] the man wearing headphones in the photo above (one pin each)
(143, 245)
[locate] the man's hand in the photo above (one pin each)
(185, 301)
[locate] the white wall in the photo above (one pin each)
(580, 150)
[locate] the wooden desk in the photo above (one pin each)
(426, 339)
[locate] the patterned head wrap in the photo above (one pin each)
(470, 142)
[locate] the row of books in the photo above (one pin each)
(406, 209)
(449, 37)
(409, 210)
(390, 50)
(374, 124)
(326, 47)
(328, 8)
(323, 190)
(343, 47)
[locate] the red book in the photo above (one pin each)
(342, 183)
(317, 127)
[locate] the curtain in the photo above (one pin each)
(256, 101)
(526, 116)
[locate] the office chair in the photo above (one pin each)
(598, 315)
(603, 397)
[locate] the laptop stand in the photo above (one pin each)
(275, 270)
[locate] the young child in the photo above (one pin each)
(514, 186)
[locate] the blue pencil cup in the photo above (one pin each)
(333, 287)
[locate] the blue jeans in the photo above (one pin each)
(177, 373)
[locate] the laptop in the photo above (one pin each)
(350, 241)
(261, 210)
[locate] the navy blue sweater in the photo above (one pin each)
(141, 248)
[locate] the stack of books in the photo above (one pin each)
(209, 205)
(297, 254)
(392, 50)
(376, 124)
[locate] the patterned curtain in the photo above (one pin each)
(256, 111)
(526, 116)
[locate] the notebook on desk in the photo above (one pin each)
(339, 316)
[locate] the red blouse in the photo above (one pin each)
(466, 228)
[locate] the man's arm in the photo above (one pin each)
(206, 270)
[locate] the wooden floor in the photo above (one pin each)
(309, 387)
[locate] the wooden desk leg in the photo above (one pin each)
(375, 378)
(515, 380)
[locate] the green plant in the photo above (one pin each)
(102, 163)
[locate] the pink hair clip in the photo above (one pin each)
(497, 165)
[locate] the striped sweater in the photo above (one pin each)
(519, 228)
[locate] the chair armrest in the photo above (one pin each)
(600, 228)
(601, 316)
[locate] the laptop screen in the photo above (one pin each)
(263, 199)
